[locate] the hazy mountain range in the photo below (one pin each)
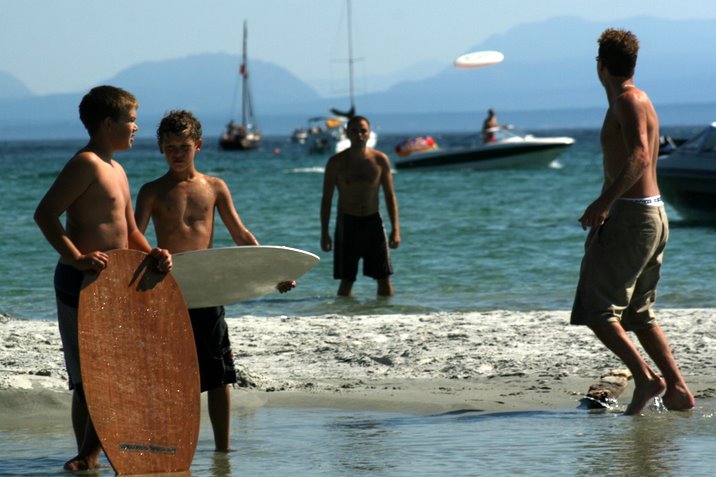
(548, 65)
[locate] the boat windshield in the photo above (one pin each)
(710, 142)
(705, 140)
(508, 134)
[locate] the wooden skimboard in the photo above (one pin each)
(221, 276)
(479, 59)
(139, 365)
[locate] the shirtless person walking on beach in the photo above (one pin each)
(359, 172)
(628, 233)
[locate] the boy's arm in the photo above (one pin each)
(225, 205)
(137, 241)
(143, 210)
(71, 182)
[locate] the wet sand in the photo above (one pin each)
(439, 362)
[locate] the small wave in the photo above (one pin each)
(304, 170)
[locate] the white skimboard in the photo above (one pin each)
(479, 59)
(222, 276)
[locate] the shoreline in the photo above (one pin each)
(425, 363)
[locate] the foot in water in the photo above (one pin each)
(679, 399)
(82, 463)
(643, 394)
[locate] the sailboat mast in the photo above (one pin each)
(244, 79)
(350, 55)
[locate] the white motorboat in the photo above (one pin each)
(508, 150)
(327, 134)
(687, 176)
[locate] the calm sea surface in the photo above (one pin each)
(329, 442)
(472, 240)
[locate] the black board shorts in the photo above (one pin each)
(356, 238)
(68, 282)
(213, 348)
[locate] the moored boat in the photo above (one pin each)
(328, 134)
(687, 177)
(245, 135)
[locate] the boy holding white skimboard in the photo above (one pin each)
(181, 205)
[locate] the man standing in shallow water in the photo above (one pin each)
(359, 172)
(628, 233)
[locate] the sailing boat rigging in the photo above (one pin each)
(244, 135)
(329, 133)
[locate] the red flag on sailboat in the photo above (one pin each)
(243, 71)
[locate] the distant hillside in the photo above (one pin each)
(206, 84)
(551, 64)
(12, 88)
(548, 66)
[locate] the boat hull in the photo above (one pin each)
(687, 177)
(239, 143)
(692, 192)
(491, 156)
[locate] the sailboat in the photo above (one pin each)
(244, 135)
(328, 133)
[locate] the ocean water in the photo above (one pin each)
(472, 240)
(330, 442)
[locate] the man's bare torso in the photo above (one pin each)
(358, 181)
(614, 145)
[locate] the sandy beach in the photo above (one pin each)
(491, 361)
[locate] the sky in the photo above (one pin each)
(62, 46)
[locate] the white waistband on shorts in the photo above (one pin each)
(654, 201)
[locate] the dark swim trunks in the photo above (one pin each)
(356, 238)
(68, 281)
(213, 348)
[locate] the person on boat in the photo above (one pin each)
(359, 173)
(628, 233)
(489, 126)
(181, 205)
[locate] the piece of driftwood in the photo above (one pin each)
(604, 393)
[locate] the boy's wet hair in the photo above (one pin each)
(179, 122)
(105, 102)
(618, 50)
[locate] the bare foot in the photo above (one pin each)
(81, 463)
(225, 450)
(679, 398)
(643, 394)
